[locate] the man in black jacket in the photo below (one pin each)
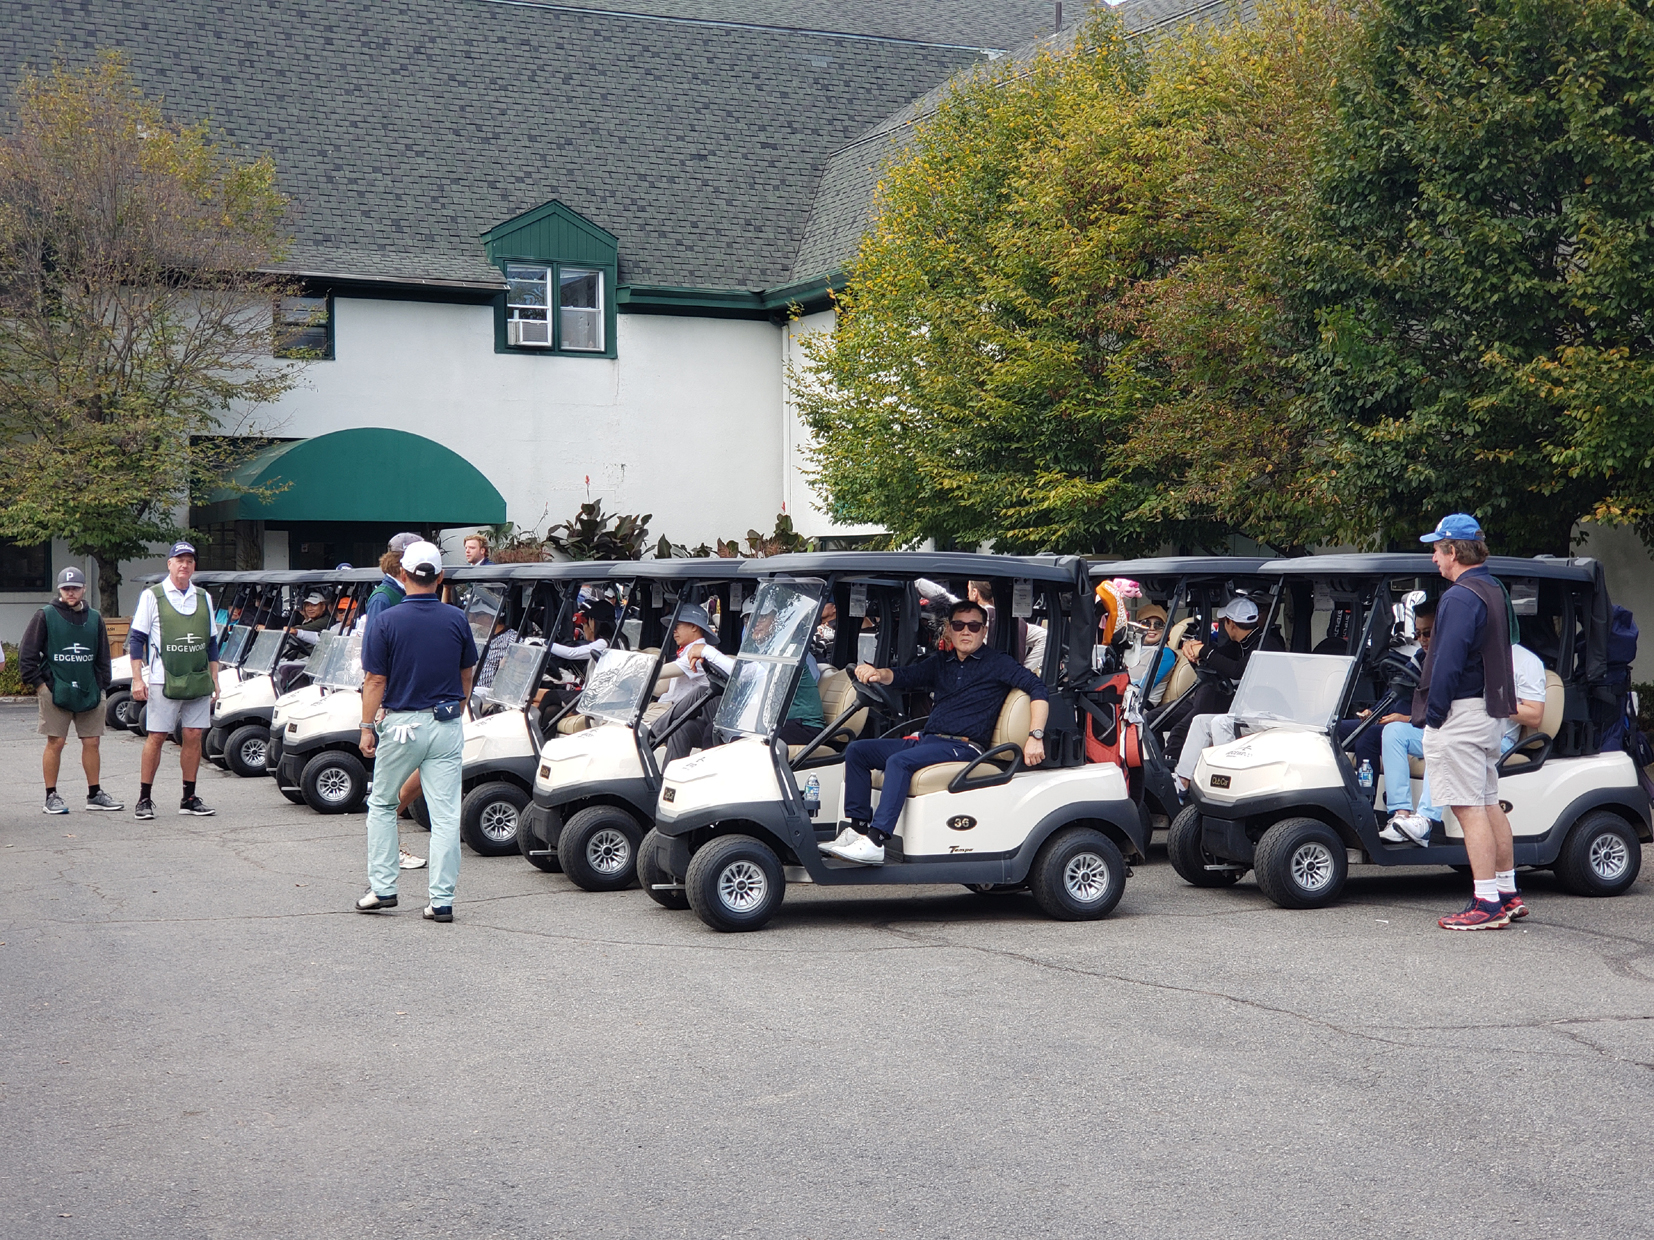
(1221, 663)
(65, 653)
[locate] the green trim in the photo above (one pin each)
(609, 298)
(809, 296)
(552, 231)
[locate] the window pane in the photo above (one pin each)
(23, 568)
(580, 295)
(301, 327)
(526, 286)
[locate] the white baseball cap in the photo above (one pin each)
(423, 562)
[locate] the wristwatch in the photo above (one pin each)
(1037, 734)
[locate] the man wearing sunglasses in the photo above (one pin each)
(968, 684)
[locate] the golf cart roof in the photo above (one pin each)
(1059, 568)
(1414, 564)
(703, 568)
(1179, 566)
(536, 570)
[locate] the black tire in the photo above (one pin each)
(528, 843)
(140, 721)
(113, 707)
(128, 712)
(334, 782)
(1078, 875)
(735, 883)
(212, 748)
(1600, 857)
(598, 848)
(244, 751)
(1301, 863)
(490, 816)
(648, 874)
(419, 812)
(1189, 856)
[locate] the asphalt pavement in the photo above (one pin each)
(201, 1039)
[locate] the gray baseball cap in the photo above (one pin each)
(71, 576)
(401, 542)
(697, 616)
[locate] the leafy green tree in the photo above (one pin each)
(135, 326)
(1065, 329)
(1480, 287)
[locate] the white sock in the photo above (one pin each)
(1507, 882)
(1487, 890)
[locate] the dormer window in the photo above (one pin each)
(559, 273)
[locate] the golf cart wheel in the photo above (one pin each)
(1079, 875)
(489, 816)
(1301, 863)
(114, 709)
(334, 782)
(598, 848)
(1190, 858)
(140, 720)
(648, 874)
(735, 883)
(528, 844)
(1600, 857)
(244, 751)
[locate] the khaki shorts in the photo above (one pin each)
(1459, 756)
(54, 720)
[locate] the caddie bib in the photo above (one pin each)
(184, 647)
(72, 656)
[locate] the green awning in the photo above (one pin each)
(372, 474)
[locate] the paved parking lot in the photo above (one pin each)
(200, 1040)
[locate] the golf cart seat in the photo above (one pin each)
(1182, 677)
(1549, 723)
(838, 691)
(569, 724)
(668, 674)
(1015, 718)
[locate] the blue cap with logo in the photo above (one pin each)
(1455, 525)
(181, 548)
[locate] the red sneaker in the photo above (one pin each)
(1476, 916)
(1514, 908)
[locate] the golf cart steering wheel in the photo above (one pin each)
(879, 695)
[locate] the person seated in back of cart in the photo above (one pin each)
(1225, 658)
(969, 684)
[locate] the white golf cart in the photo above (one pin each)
(736, 823)
(599, 773)
(1284, 799)
(505, 727)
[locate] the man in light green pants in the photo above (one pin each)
(417, 662)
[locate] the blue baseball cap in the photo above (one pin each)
(181, 548)
(1455, 525)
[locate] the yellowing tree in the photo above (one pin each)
(135, 313)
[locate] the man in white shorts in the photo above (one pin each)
(174, 638)
(1466, 694)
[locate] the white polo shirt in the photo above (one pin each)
(146, 619)
(1530, 683)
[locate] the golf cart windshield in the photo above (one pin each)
(482, 605)
(234, 644)
(776, 641)
(261, 656)
(1292, 690)
(344, 664)
(320, 653)
(617, 686)
(516, 677)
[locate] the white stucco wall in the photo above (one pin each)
(683, 423)
(802, 502)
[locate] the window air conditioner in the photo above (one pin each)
(526, 333)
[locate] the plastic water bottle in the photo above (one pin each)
(1364, 776)
(812, 796)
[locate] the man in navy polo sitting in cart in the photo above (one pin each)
(969, 684)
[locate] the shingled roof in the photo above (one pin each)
(695, 131)
(843, 206)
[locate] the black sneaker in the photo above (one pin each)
(145, 808)
(198, 807)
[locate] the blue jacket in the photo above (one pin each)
(968, 692)
(1456, 649)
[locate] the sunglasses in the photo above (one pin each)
(1154, 624)
(965, 626)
